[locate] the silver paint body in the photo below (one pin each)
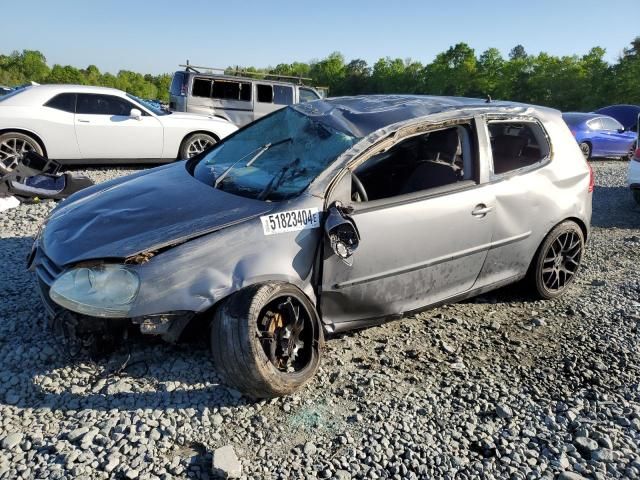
(415, 251)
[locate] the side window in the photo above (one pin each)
(516, 145)
(64, 101)
(264, 92)
(177, 84)
(427, 161)
(282, 95)
(595, 124)
(307, 95)
(93, 104)
(229, 90)
(201, 87)
(611, 124)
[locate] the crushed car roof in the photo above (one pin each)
(361, 115)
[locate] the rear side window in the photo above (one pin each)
(93, 104)
(265, 93)
(282, 95)
(517, 145)
(64, 101)
(201, 87)
(178, 84)
(228, 90)
(595, 124)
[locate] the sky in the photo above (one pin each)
(156, 36)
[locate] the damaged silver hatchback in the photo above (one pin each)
(319, 218)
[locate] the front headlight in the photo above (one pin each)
(100, 291)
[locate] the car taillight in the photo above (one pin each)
(592, 179)
(573, 132)
(636, 156)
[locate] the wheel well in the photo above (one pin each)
(575, 220)
(581, 224)
(26, 132)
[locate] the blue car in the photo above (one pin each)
(600, 135)
(627, 115)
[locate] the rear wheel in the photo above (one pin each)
(557, 260)
(585, 148)
(195, 144)
(266, 340)
(12, 146)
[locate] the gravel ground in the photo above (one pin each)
(497, 387)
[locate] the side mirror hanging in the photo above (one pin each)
(342, 233)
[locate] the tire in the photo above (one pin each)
(557, 260)
(636, 195)
(240, 340)
(195, 144)
(585, 147)
(12, 144)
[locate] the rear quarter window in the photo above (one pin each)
(517, 144)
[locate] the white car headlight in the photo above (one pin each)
(100, 291)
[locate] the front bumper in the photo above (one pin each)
(167, 325)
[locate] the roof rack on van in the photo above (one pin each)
(227, 71)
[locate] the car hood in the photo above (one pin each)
(144, 212)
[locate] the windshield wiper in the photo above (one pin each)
(277, 180)
(261, 150)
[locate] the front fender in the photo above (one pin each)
(196, 275)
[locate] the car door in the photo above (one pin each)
(598, 137)
(415, 249)
(618, 141)
(105, 130)
(271, 97)
(58, 113)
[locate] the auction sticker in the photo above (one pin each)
(290, 221)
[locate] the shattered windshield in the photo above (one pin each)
(275, 158)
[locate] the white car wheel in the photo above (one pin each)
(196, 144)
(12, 146)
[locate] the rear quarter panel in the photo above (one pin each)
(53, 127)
(530, 204)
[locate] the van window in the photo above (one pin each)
(229, 90)
(308, 95)
(201, 87)
(177, 84)
(516, 145)
(265, 93)
(282, 95)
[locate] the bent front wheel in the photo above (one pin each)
(266, 340)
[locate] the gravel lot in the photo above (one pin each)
(497, 387)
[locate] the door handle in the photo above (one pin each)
(481, 210)
(82, 120)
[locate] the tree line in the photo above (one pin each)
(568, 82)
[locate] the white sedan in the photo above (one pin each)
(82, 124)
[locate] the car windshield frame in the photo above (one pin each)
(273, 159)
(160, 111)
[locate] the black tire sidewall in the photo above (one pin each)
(588, 156)
(249, 369)
(536, 272)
